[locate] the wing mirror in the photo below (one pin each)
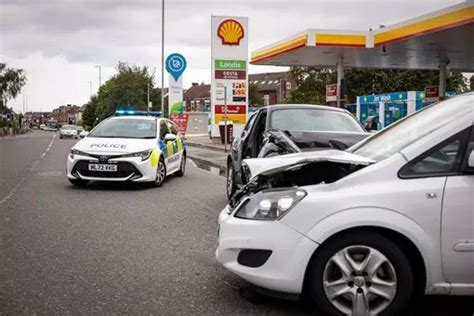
(470, 161)
(170, 138)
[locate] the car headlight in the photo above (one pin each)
(77, 152)
(270, 205)
(143, 154)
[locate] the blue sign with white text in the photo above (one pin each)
(175, 65)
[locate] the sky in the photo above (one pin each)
(58, 42)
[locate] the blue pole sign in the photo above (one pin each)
(175, 65)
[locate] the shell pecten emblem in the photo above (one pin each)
(230, 32)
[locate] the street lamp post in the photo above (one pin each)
(100, 74)
(90, 88)
(163, 56)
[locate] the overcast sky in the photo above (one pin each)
(58, 42)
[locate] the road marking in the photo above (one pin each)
(31, 169)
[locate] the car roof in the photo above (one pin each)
(304, 106)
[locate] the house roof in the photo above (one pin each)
(201, 91)
(268, 81)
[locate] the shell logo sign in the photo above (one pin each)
(230, 32)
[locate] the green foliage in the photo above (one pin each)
(471, 83)
(128, 88)
(11, 82)
(88, 117)
(312, 82)
(255, 99)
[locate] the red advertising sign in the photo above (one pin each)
(331, 92)
(431, 92)
(231, 109)
(182, 121)
(231, 74)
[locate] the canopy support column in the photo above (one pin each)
(442, 79)
(340, 77)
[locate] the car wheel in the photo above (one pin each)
(360, 273)
(60, 137)
(182, 167)
(160, 173)
(78, 182)
(231, 188)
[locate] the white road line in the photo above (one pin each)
(31, 169)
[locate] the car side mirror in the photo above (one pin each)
(170, 138)
(470, 160)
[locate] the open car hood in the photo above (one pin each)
(276, 164)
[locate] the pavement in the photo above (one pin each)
(122, 249)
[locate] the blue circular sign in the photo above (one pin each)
(175, 65)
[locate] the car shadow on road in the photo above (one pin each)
(118, 186)
(425, 306)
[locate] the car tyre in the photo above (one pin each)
(60, 137)
(160, 174)
(78, 182)
(230, 183)
(335, 290)
(182, 167)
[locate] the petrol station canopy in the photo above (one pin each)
(444, 37)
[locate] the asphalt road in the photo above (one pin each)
(110, 248)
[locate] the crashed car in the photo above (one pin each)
(362, 231)
(284, 129)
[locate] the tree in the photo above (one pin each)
(11, 82)
(312, 82)
(472, 83)
(255, 99)
(127, 89)
(88, 117)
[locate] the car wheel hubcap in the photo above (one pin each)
(359, 280)
(160, 172)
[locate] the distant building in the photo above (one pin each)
(35, 119)
(65, 114)
(198, 97)
(273, 87)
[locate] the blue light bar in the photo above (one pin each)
(134, 112)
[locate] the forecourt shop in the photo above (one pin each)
(441, 40)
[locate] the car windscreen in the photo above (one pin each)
(412, 128)
(307, 119)
(125, 128)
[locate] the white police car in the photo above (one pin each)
(128, 148)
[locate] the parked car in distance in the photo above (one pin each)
(362, 231)
(282, 129)
(68, 131)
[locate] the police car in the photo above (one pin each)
(128, 148)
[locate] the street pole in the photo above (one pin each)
(225, 119)
(100, 75)
(148, 96)
(163, 56)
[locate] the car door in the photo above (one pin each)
(457, 225)
(167, 148)
(442, 191)
(252, 143)
(177, 145)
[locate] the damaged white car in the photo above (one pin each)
(362, 231)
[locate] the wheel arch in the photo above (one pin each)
(408, 246)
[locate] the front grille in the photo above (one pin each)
(124, 169)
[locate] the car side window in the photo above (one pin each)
(443, 160)
(248, 127)
(163, 129)
(173, 128)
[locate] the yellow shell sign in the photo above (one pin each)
(230, 32)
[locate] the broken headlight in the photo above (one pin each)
(270, 205)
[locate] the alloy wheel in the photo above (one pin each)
(359, 280)
(160, 172)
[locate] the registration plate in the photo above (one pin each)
(102, 167)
